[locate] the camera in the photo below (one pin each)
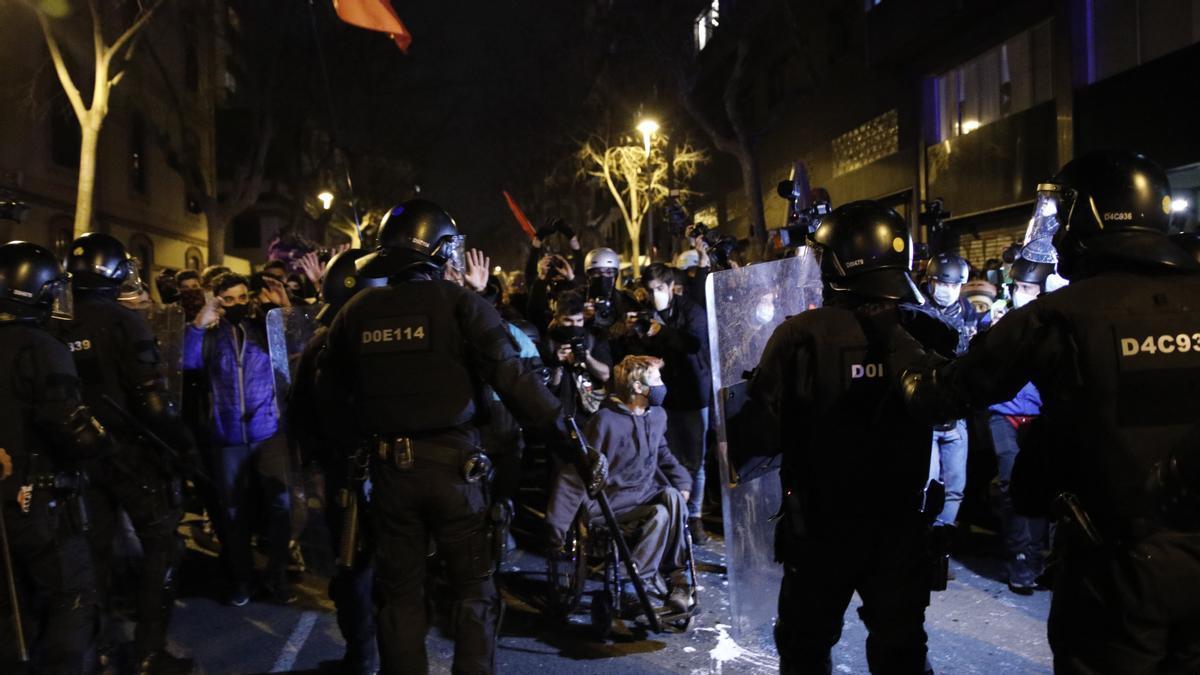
(720, 248)
(579, 350)
(676, 215)
(324, 254)
(802, 220)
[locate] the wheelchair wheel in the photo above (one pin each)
(567, 572)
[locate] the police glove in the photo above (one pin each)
(596, 474)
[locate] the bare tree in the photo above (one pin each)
(109, 64)
(636, 178)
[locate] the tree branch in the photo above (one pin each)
(60, 67)
(131, 31)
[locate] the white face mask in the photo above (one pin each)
(662, 299)
(946, 294)
(1021, 298)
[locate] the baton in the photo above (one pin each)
(22, 649)
(611, 519)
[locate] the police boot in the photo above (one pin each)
(164, 663)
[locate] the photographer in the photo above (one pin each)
(581, 359)
(676, 331)
(552, 273)
(605, 303)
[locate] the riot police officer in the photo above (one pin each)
(854, 462)
(45, 430)
(1115, 357)
(322, 440)
(409, 358)
(118, 359)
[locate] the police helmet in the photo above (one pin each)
(948, 268)
(866, 249)
(415, 234)
(32, 284)
(342, 281)
(1188, 241)
(1116, 204)
(602, 259)
(99, 261)
(1031, 272)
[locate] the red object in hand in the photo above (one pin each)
(376, 15)
(520, 216)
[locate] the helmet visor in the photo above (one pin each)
(1053, 207)
(453, 249)
(62, 300)
(131, 285)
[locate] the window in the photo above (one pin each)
(1004, 80)
(137, 154)
(1123, 34)
(867, 143)
(65, 137)
(193, 259)
(706, 24)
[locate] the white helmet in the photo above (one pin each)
(687, 259)
(602, 259)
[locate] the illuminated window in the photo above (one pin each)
(1009, 78)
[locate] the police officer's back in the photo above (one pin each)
(409, 357)
(118, 362)
(1114, 355)
(854, 462)
(45, 430)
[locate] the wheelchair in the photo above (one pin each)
(590, 554)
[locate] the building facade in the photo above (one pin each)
(139, 198)
(907, 101)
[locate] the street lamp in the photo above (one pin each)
(326, 198)
(648, 127)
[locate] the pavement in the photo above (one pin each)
(976, 626)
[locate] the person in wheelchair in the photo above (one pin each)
(647, 487)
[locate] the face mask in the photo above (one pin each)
(1021, 298)
(662, 299)
(945, 295)
(657, 394)
(600, 286)
(235, 313)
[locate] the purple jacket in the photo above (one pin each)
(241, 383)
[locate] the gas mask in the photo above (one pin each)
(600, 286)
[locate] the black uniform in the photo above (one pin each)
(854, 468)
(409, 359)
(1116, 359)
(44, 432)
(116, 356)
(320, 439)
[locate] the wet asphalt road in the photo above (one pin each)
(976, 626)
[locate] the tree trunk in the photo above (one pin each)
(752, 187)
(85, 193)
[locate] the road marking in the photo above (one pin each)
(295, 642)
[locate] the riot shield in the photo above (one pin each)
(288, 331)
(166, 324)
(744, 307)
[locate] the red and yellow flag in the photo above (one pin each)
(376, 15)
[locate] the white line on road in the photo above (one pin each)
(295, 642)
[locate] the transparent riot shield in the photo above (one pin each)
(288, 331)
(167, 323)
(744, 307)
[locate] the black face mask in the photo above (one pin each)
(235, 313)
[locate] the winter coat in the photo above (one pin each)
(241, 382)
(636, 448)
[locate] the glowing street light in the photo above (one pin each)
(648, 127)
(326, 198)
(1179, 205)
